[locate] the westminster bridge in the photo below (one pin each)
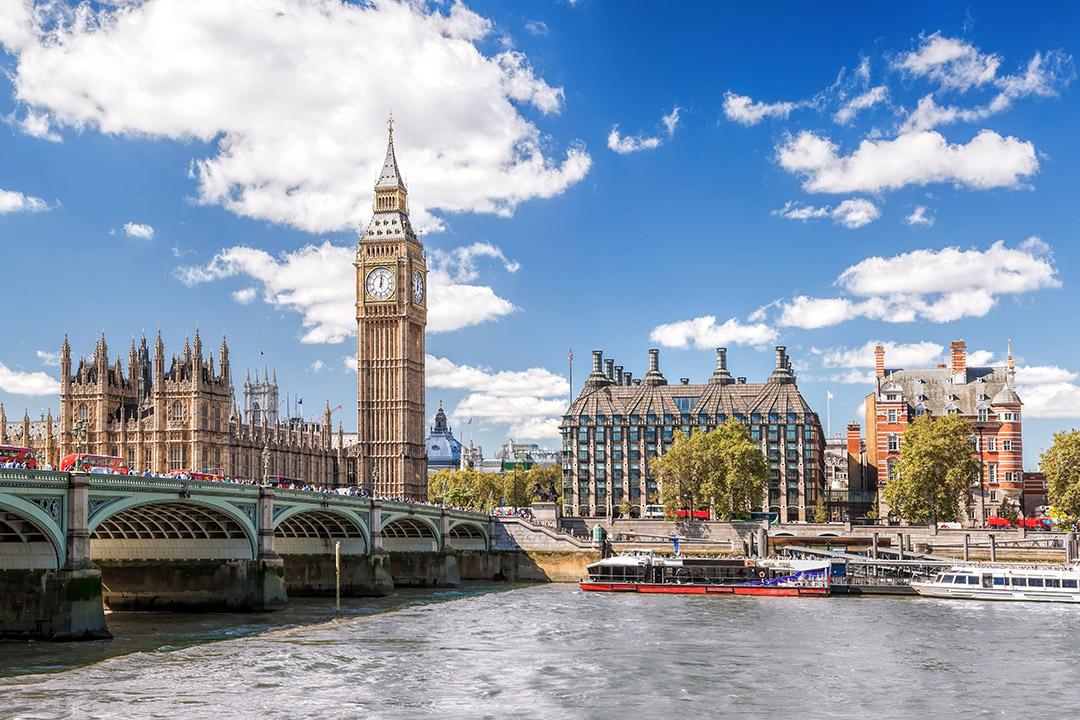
(68, 541)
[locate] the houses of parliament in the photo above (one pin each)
(181, 413)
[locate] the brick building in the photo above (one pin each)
(986, 396)
(618, 424)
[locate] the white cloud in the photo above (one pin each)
(743, 110)
(1048, 391)
(460, 263)
(703, 332)
(863, 101)
(538, 382)
(529, 401)
(316, 366)
(920, 354)
(953, 64)
(35, 125)
(852, 213)
(934, 285)
(16, 24)
(921, 215)
(980, 358)
(1043, 375)
(916, 158)
(244, 296)
(139, 230)
(48, 359)
(318, 281)
(17, 382)
(294, 106)
(671, 121)
(536, 27)
(11, 202)
(630, 143)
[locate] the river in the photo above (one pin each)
(552, 652)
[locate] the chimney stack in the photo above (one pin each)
(879, 360)
(609, 369)
(740, 381)
(959, 357)
(654, 360)
(854, 440)
(684, 381)
(720, 375)
(597, 361)
(654, 376)
(618, 375)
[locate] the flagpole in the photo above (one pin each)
(828, 411)
(571, 376)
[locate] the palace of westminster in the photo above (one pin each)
(180, 413)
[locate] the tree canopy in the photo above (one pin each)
(1061, 464)
(477, 490)
(723, 469)
(937, 467)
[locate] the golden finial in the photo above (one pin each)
(1009, 361)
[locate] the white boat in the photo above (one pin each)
(1059, 583)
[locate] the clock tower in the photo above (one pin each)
(391, 314)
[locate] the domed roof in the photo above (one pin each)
(443, 449)
(1006, 396)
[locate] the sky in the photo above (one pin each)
(587, 175)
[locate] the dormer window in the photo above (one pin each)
(984, 414)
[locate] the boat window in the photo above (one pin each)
(958, 579)
(1066, 583)
(998, 580)
(972, 580)
(1035, 582)
(1053, 582)
(1022, 582)
(945, 579)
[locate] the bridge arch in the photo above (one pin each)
(303, 530)
(467, 535)
(29, 538)
(403, 532)
(172, 528)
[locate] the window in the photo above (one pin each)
(1022, 582)
(178, 412)
(893, 443)
(616, 434)
(984, 414)
(892, 397)
(176, 458)
(791, 434)
(84, 412)
(1006, 445)
(1035, 582)
(991, 473)
(583, 435)
(601, 418)
(991, 444)
(891, 416)
(1053, 582)
(892, 468)
(1066, 583)
(685, 404)
(599, 434)
(993, 495)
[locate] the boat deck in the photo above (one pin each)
(702, 589)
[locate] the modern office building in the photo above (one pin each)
(618, 424)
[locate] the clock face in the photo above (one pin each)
(417, 286)
(380, 283)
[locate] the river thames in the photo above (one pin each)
(553, 652)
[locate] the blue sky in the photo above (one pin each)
(830, 178)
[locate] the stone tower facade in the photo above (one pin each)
(261, 398)
(391, 315)
(179, 414)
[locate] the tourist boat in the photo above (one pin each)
(641, 572)
(1003, 582)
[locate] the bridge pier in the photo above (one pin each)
(425, 569)
(58, 604)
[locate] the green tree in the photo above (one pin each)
(1007, 510)
(1061, 464)
(737, 472)
(625, 508)
(821, 513)
(466, 488)
(937, 467)
(681, 471)
(723, 468)
(542, 477)
(514, 488)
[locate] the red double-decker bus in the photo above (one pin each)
(20, 455)
(96, 464)
(208, 475)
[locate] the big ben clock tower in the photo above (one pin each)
(391, 314)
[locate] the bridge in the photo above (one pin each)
(70, 540)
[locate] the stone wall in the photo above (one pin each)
(316, 576)
(51, 605)
(190, 585)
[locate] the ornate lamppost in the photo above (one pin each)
(374, 480)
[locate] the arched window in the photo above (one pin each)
(84, 412)
(176, 458)
(178, 411)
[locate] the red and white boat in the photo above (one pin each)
(641, 572)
